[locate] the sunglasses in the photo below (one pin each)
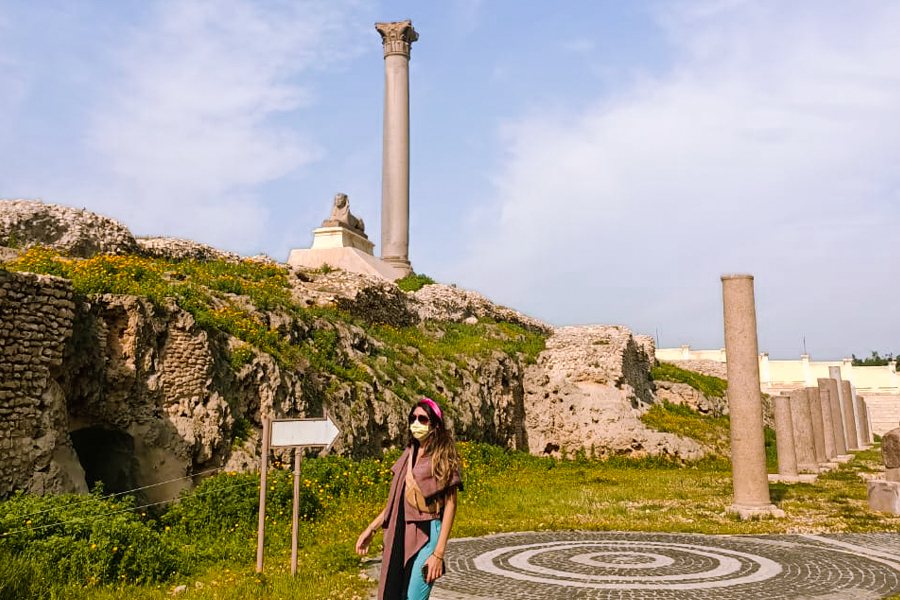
(423, 419)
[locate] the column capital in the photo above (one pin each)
(397, 37)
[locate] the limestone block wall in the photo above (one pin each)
(36, 313)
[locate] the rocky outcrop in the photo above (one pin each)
(118, 389)
(586, 394)
(179, 249)
(713, 368)
(369, 298)
(682, 393)
(439, 302)
(74, 231)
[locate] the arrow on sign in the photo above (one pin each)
(304, 432)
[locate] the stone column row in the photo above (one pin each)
(810, 424)
(814, 425)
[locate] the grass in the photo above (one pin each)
(206, 542)
(712, 432)
(210, 535)
(706, 384)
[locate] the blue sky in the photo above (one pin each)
(589, 161)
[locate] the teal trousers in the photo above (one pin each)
(418, 589)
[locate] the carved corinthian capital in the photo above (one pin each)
(397, 37)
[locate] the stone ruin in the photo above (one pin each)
(884, 494)
(111, 387)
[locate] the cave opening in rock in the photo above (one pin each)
(107, 455)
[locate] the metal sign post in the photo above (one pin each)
(297, 434)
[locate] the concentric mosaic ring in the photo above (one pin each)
(728, 567)
(575, 565)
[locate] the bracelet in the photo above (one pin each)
(439, 556)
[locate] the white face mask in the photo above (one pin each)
(420, 431)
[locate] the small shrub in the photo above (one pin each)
(240, 356)
(414, 282)
(240, 431)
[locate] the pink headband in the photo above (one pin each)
(433, 405)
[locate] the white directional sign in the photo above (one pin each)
(304, 432)
(297, 433)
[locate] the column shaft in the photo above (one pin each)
(853, 441)
(748, 452)
(804, 445)
(818, 424)
(862, 411)
(828, 418)
(837, 418)
(395, 170)
(784, 438)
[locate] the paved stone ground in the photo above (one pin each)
(658, 566)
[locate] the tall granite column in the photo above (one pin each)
(748, 450)
(396, 38)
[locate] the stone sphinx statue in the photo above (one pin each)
(342, 217)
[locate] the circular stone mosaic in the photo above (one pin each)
(573, 565)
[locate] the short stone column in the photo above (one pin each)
(748, 449)
(804, 445)
(835, 373)
(784, 440)
(863, 410)
(397, 38)
(832, 425)
(853, 437)
(837, 420)
(818, 425)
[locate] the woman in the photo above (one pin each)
(420, 508)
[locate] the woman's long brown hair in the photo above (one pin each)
(442, 448)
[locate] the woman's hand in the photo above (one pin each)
(365, 538)
(435, 568)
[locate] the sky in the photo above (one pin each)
(585, 161)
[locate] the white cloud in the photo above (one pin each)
(771, 147)
(189, 128)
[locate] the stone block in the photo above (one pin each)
(890, 448)
(884, 496)
(892, 474)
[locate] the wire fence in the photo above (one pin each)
(124, 510)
